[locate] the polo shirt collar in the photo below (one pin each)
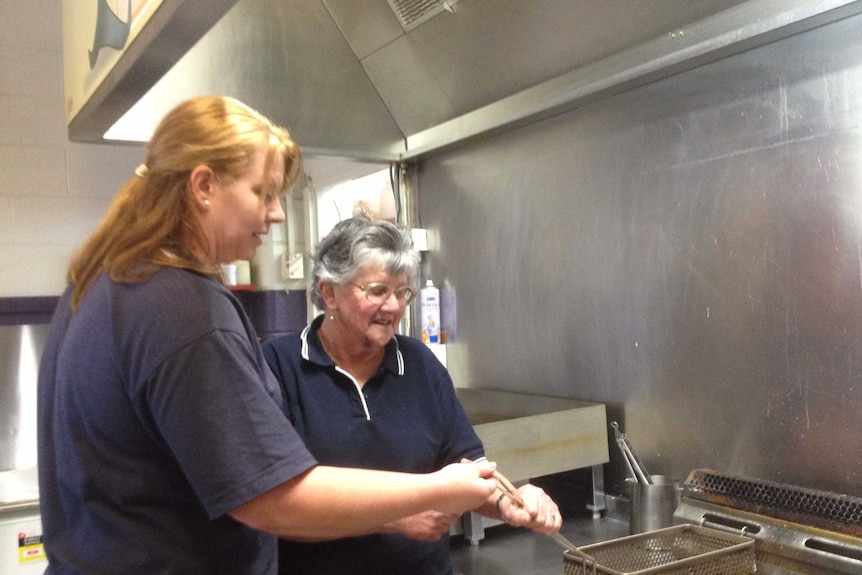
(312, 349)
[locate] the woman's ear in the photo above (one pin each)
(327, 292)
(202, 180)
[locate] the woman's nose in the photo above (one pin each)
(391, 301)
(275, 213)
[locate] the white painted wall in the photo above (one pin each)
(53, 192)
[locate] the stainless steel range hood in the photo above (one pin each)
(350, 79)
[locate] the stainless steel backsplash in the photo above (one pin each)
(20, 350)
(688, 253)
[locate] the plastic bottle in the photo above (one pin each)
(448, 313)
(429, 304)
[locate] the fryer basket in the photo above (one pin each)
(678, 550)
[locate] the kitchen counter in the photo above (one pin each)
(533, 436)
(516, 551)
(19, 486)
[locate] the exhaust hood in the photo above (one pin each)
(354, 79)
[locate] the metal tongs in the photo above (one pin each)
(573, 549)
(508, 488)
(633, 462)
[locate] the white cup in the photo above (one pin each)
(229, 274)
(243, 272)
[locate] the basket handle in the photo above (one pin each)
(574, 550)
(585, 559)
(729, 525)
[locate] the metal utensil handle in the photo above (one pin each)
(627, 459)
(640, 469)
(629, 466)
(573, 549)
(509, 489)
(743, 530)
(639, 463)
(620, 437)
(639, 473)
(633, 462)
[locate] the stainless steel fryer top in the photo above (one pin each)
(821, 509)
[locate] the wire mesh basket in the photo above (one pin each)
(678, 550)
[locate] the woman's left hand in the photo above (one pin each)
(426, 526)
(540, 513)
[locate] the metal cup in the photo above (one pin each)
(653, 504)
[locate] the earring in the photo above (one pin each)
(331, 315)
(207, 202)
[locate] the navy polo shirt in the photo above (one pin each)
(157, 417)
(406, 418)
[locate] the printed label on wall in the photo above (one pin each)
(30, 546)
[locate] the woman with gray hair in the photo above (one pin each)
(361, 395)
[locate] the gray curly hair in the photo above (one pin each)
(355, 243)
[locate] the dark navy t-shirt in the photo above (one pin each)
(405, 418)
(158, 416)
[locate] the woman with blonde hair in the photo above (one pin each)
(162, 445)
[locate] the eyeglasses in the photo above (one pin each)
(378, 293)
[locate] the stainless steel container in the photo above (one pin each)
(653, 504)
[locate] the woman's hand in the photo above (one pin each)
(540, 513)
(464, 486)
(426, 526)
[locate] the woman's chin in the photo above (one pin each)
(379, 335)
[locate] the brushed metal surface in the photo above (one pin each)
(20, 349)
(687, 253)
(366, 26)
(782, 547)
(348, 80)
(710, 38)
(289, 60)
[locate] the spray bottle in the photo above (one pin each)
(429, 304)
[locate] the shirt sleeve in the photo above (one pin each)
(462, 442)
(212, 403)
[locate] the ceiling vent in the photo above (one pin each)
(412, 13)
